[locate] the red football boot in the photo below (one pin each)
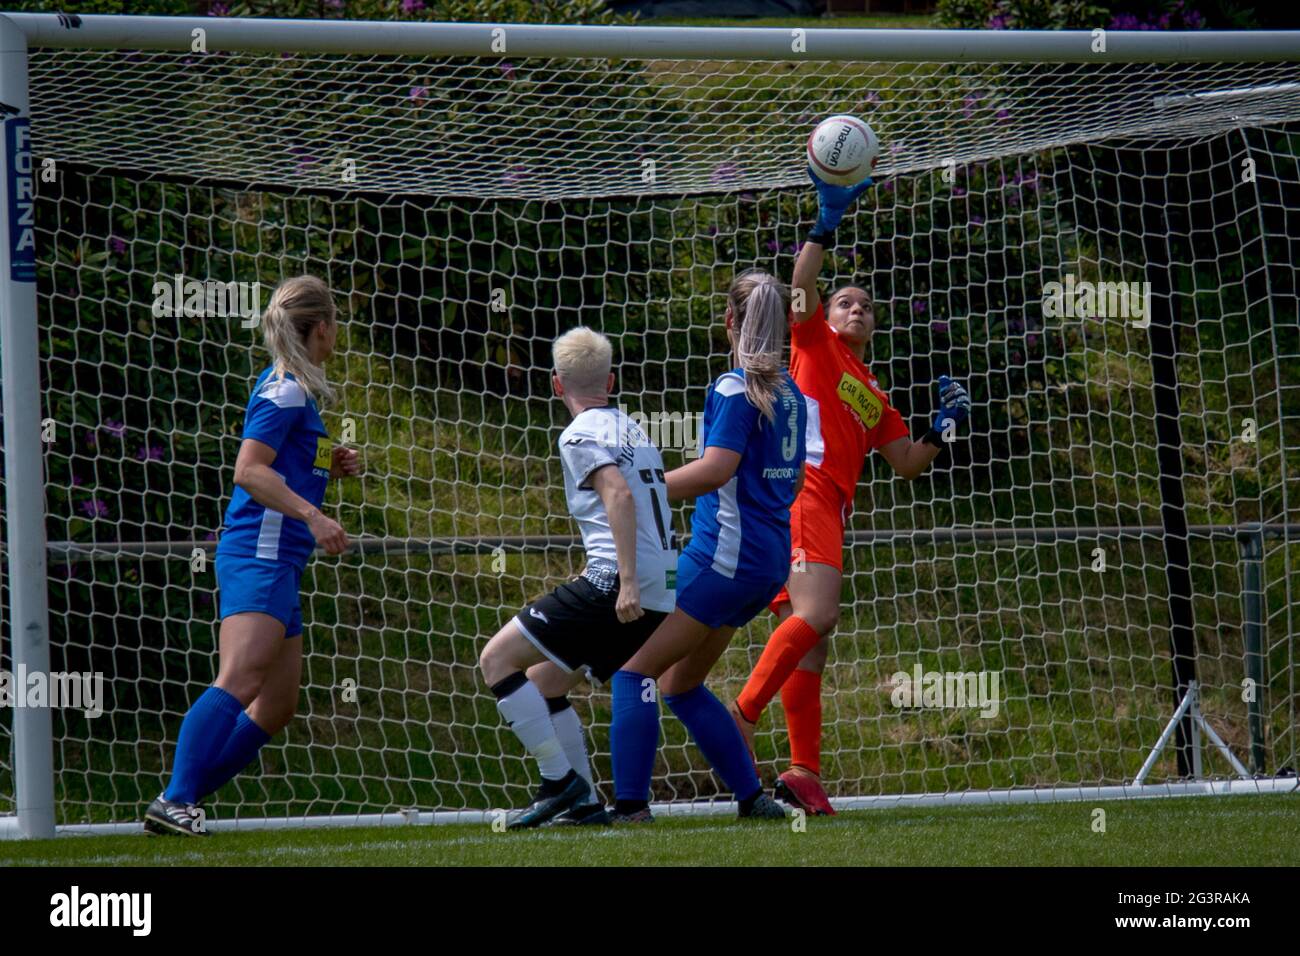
(801, 788)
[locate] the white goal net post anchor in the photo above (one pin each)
(1190, 705)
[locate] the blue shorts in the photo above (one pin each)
(719, 601)
(255, 584)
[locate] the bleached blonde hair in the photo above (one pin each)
(583, 358)
(296, 306)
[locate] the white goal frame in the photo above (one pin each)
(26, 617)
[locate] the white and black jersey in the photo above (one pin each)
(603, 436)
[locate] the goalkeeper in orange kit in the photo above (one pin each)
(848, 416)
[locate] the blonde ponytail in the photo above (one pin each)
(297, 305)
(760, 306)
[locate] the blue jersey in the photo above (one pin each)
(743, 528)
(281, 416)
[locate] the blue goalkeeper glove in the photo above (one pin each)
(954, 404)
(833, 202)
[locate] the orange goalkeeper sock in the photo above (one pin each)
(802, 699)
(792, 639)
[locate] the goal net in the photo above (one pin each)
(468, 208)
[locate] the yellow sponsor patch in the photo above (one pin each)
(324, 453)
(861, 399)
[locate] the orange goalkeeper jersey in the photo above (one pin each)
(848, 414)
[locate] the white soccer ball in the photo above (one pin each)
(843, 150)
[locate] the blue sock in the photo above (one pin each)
(204, 733)
(633, 734)
(718, 737)
(241, 749)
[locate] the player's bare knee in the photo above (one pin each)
(243, 684)
(491, 663)
(821, 619)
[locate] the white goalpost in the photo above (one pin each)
(1093, 230)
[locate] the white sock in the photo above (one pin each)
(568, 728)
(528, 716)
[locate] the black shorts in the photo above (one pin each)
(577, 627)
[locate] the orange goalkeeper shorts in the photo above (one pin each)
(816, 528)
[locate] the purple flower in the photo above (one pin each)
(772, 245)
(1016, 358)
(888, 186)
(1015, 325)
(286, 56)
(851, 253)
(793, 248)
(95, 508)
(918, 307)
(507, 69)
(977, 220)
(1031, 340)
(114, 428)
(1003, 115)
(76, 480)
(968, 103)
(117, 245)
(152, 453)
(959, 191)
(418, 93)
(210, 536)
(412, 6)
(713, 230)
(724, 172)
(997, 22)
(1124, 21)
(939, 328)
(305, 158)
(335, 4)
(217, 9)
(513, 175)
(871, 99)
(1193, 20)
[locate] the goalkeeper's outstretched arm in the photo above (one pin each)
(908, 458)
(832, 203)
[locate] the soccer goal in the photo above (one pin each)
(1096, 232)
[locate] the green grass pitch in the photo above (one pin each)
(1196, 831)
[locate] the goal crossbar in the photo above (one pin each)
(104, 32)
